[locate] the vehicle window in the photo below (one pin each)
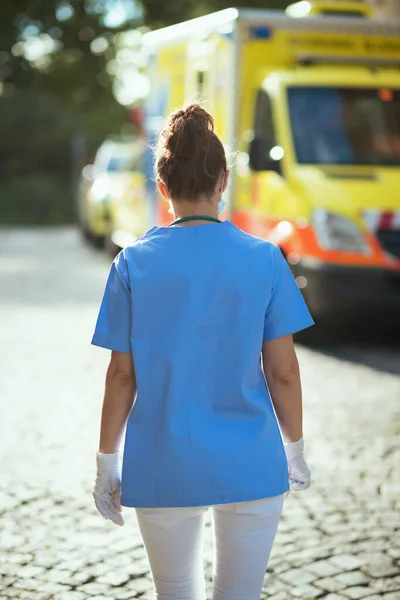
(348, 126)
(263, 119)
(263, 148)
(200, 82)
(131, 161)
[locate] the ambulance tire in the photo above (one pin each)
(97, 241)
(84, 231)
(112, 249)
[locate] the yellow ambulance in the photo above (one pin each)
(112, 207)
(308, 102)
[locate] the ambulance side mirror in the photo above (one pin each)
(259, 156)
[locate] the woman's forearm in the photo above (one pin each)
(119, 396)
(282, 373)
(287, 400)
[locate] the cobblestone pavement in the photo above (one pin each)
(339, 540)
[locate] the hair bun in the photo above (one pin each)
(189, 156)
(188, 132)
(204, 119)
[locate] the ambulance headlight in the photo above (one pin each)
(335, 232)
(100, 189)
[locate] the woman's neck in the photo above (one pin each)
(185, 208)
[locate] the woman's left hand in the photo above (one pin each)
(107, 488)
(299, 471)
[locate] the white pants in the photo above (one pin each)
(243, 536)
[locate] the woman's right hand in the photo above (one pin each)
(299, 471)
(106, 491)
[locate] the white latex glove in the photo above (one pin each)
(106, 491)
(299, 471)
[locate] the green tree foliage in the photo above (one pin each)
(56, 108)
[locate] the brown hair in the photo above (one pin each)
(189, 155)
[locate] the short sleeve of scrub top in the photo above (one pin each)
(287, 311)
(113, 325)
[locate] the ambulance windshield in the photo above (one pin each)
(345, 126)
(122, 163)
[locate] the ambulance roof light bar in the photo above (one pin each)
(312, 8)
(187, 29)
(225, 22)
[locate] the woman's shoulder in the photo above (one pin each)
(252, 242)
(125, 256)
(139, 242)
(149, 233)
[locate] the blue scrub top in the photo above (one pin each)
(193, 305)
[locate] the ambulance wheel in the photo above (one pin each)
(112, 249)
(97, 241)
(84, 231)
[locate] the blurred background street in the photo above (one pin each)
(340, 539)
